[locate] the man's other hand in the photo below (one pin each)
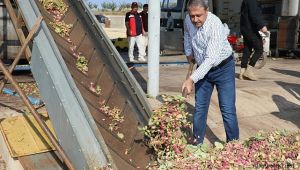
(188, 84)
(190, 59)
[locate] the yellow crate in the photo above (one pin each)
(23, 135)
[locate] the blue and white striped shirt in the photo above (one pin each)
(207, 44)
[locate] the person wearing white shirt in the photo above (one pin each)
(206, 44)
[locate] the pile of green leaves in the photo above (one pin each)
(61, 28)
(115, 117)
(30, 89)
(274, 150)
(82, 64)
(55, 5)
(96, 90)
(166, 134)
(57, 9)
(164, 131)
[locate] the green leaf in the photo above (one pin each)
(219, 146)
(204, 147)
(120, 135)
(200, 154)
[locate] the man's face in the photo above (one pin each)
(198, 15)
(145, 9)
(134, 9)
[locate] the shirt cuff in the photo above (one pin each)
(195, 77)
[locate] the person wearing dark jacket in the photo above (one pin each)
(251, 22)
(144, 15)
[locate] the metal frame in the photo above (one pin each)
(8, 76)
(70, 116)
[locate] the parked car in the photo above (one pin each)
(101, 18)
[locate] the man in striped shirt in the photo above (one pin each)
(205, 42)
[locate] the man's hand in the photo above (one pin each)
(191, 59)
(188, 84)
(145, 33)
(264, 29)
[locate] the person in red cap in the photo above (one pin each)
(135, 31)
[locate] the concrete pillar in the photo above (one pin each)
(153, 47)
(290, 8)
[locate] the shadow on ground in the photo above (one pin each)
(209, 135)
(287, 72)
(288, 111)
(139, 78)
(292, 88)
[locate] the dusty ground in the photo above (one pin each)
(2, 164)
(113, 33)
(271, 103)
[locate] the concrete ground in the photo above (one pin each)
(271, 103)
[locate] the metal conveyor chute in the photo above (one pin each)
(76, 100)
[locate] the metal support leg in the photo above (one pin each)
(19, 31)
(37, 117)
(8, 76)
(23, 48)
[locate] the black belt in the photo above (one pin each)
(222, 63)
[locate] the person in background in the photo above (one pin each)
(170, 21)
(135, 31)
(250, 23)
(144, 15)
(205, 42)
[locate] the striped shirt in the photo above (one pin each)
(207, 44)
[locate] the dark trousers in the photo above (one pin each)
(224, 79)
(252, 41)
